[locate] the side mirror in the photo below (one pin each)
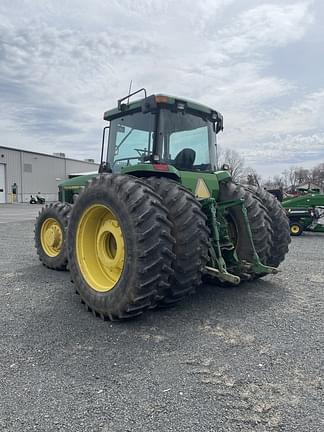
(220, 123)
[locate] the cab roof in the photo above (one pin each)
(159, 99)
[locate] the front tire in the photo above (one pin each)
(119, 247)
(296, 229)
(50, 235)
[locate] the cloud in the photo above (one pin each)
(265, 26)
(63, 64)
(293, 135)
(290, 149)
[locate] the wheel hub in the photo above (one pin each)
(100, 248)
(51, 237)
(110, 247)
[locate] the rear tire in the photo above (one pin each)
(279, 224)
(119, 247)
(191, 235)
(50, 235)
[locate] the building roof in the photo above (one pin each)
(47, 155)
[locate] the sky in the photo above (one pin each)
(260, 63)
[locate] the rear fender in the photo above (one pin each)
(152, 170)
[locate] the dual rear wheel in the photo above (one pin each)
(127, 244)
(120, 247)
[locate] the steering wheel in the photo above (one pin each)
(141, 152)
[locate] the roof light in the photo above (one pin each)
(161, 99)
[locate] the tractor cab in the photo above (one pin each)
(162, 131)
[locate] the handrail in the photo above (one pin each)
(130, 95)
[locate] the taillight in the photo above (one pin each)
(161, 167)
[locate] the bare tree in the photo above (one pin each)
(279, 181)
(295, 176)
(302, 175)
(290, 178)
(233, 159)
(317, 175)
(251, 177)
(275, 182)
(286, 177)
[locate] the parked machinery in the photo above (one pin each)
(159, 216)
(306, 213)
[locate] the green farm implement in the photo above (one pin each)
(306, 213)
(159, 217)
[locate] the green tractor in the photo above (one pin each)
(159, 217)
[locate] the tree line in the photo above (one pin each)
(291, 177)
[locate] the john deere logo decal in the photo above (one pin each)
(202, 190)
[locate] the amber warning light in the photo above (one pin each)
(161, 99)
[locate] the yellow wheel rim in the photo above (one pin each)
(51, 237)
(100, 248)
(294, 229)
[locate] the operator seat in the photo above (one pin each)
(185, 159)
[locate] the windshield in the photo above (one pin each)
(187, 141)
(130, 139)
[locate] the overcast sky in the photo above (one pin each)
(260, 63)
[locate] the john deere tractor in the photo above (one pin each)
(159, 217)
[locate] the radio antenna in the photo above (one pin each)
(129, 90)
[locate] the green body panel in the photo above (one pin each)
(77, 181)
(309, 225)
(190, 179)
(73, 186)
(317, 228)
(308, 200)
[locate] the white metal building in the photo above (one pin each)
(24, 173)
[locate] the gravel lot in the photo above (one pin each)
(18, 212)
(243, 359)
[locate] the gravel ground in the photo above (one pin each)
(18, 212)
(243, 359)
